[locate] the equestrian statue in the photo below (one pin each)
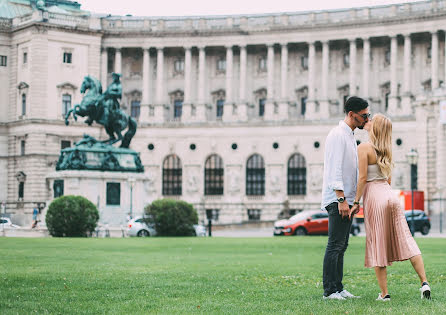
(104, 108)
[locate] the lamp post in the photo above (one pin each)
(440, 190)
(131, 183)
(412, 159)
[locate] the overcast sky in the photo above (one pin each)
(210, 7)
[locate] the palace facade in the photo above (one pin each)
(232, 111)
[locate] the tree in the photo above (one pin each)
(172, 218)
(71, 216)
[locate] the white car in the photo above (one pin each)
(139, 227)
(6, 223)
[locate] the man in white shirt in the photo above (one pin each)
(338, 193)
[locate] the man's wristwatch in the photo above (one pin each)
(341, 199)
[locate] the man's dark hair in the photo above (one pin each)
(355, 104)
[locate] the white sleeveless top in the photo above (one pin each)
(374, 173)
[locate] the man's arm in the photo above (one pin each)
(335, 148)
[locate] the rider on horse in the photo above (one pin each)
(108, 102)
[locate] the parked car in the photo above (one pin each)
(142, 227)
(6, 223)
(307, 223)
(421, 219)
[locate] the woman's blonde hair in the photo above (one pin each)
(381, 139)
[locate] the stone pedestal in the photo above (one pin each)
(310, 110)
(392, 110)
(406, 105)
(269, 110)
(228, 112)
(134, 190)
(283, 111)
(242, 111)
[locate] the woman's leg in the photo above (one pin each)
(418, 265)
(381, 275)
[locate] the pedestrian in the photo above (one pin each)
(35, 213)
(388, 237)
(338, 193)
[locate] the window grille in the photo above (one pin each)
(172, 176)
(255, 176)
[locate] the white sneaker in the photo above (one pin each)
(347, 295)
(334, 296)
(425, 291)
(385, 298)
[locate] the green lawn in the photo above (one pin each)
(212, 275)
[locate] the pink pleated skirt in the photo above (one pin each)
(388, 237)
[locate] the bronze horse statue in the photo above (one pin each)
(104, 109)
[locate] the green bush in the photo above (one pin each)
(172, 217)
(71, 216)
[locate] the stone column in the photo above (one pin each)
(352, 68)
(118, 61)
(144, 115)
(269, 106)
(187, 104)
(311, 101)
(160, 99)
(242, 109)
(393, 101)
(284, 98)
(365, 68)
(229, 102)
(434, 61)
(324, 105)
(200, 113)
(405, 101)
(104, 67)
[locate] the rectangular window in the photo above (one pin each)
(21, 190)
(65, 144)
(212, 214)
(25, 57)
(386, 101)
(23, 104)
(261, 107)
(178, 108)
(254, 214)
(58, 188)
(135, 109)
(303, 105)
(113, 194)
(22, 147)
(179, 66)
(304, 62)
(67, 57)
(262, 64)
(3, 60)
(66, 103)
(221, 65)
(220, 106)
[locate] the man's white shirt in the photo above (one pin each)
(340, 165)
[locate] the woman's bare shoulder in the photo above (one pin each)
(365, 147)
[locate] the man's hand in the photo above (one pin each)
(344, 209)
(354, 210)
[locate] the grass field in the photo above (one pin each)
(211, 275)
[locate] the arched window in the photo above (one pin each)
(213, 175)
(255, 176)
(172, 175)
(297, 175)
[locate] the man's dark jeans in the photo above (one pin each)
(338, 234)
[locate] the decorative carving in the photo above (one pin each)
(274, 184)
(192, 183)
(316, 177)
(234, 181)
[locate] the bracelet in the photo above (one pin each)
(356, 202)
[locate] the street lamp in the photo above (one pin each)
(131, 183)
(440, 190)
(412, 159)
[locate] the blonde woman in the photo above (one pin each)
(388, 237)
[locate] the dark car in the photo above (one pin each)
(421, 220)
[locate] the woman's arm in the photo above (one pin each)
(363, 163)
